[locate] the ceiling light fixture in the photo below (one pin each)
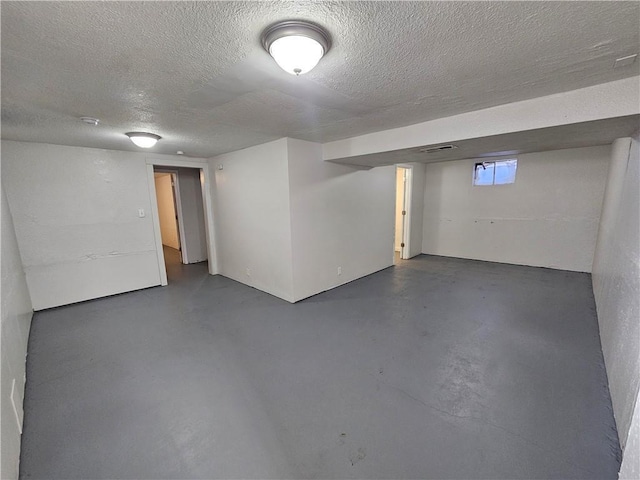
(142, 139)
(295, 45)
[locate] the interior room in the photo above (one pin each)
(320, 240)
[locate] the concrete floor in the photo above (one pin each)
(435, 368)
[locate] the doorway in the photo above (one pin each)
(168, 215)
(403, 211)
(182, 220)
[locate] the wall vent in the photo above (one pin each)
(439, 148)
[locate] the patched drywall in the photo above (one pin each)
(616, 286)
(342, 220)
(14, 326)
(253, 228)
(547, 218)
(77, 219)
(167, 210)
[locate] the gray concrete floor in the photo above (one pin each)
(435, 368)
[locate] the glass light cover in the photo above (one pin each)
(143, 141)
(296, 54)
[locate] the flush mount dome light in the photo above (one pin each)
(142, 139)
(296, 46)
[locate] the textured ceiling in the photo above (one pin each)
(195, 73)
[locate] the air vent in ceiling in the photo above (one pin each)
(439, 148)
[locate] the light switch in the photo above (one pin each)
(141, 212)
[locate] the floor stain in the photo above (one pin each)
(358, 456)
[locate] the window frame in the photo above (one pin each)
(484, 164)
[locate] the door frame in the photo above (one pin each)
(406, 220)
(205, 185)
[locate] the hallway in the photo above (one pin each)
(435, 368)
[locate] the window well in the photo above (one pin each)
(495, 173)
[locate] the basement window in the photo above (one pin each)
(495, 173)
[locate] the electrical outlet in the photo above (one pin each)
(141, 213)
(339, 271)
(248, 272)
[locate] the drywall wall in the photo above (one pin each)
(397, 243)
(547, 218)
(253, 228)
(616, 282)
(341, 218)
(195, 238)
(167, 211)
(14, 326)
(76, 216)
(299, 225)
(630, 468)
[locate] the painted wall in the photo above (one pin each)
(292, 220)
(616, 283)
(547, 218)
(167, 211)
(399, 206)
(80, 236)
(253, 227)
(340, 218)
(14, 327)
(630, 468)
(195, 238)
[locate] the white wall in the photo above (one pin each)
(194, 234)
(340, 217)
(630, 468)
(293, 219)
(76, 218)
(547, 218)
(616, 285)
(14, 326)
(253, 228)
(167, 211)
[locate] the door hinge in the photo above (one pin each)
(402, 245)
(404, 212)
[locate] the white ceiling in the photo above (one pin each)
(195, 72)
